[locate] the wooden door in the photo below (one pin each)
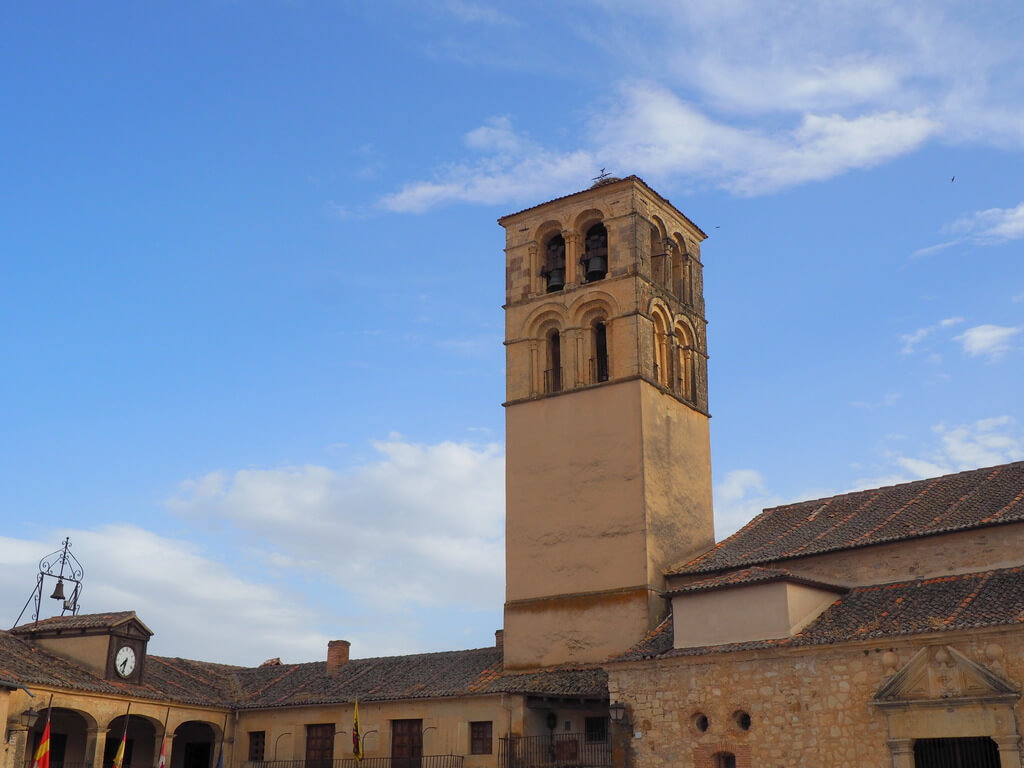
(406, 743)
(319, 745)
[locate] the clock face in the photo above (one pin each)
(124, 661)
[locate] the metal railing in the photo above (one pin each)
(553, 380)
(598, 369)
(562, 750)
(427, 761)
(60, 763)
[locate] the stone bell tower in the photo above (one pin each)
(608, 468)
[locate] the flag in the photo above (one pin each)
(163, 753)
(357, 744)
(119, 756)
(42, 757)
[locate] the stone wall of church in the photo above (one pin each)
(808, 707)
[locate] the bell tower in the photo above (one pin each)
(608, 467)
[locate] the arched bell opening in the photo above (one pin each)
(195, 745)
(69, 738)
(595, 253)
(662, 349)
(141, 742)
(553, 270)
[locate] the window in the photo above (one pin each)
(553, 375)
(742, 720)
(596, 729)
(480, 741)
(723, 760)
(595, 255)
(600, 371)
(257, 746)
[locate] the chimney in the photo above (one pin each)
(499, 639)
(337, 656)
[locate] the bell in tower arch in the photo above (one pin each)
(595, 255)
(554, 264)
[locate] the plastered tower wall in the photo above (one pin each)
(608, 474)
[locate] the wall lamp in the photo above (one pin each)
(27, 719)
(617, 712)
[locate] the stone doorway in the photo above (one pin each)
(979, 752)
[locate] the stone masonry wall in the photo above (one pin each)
(808, 707)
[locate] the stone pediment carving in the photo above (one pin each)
(938, 673)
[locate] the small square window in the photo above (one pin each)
(480, 742)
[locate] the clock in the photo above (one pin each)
(124, 661)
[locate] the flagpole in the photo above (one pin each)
(41, 759)
(162, 762)
(119, 755)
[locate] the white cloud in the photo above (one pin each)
(991, 341)
(993, 226)
(775, 96)
(912, 339)
(428, 515)
(190, 601)
(982, 443)
(738, 498)
(471, 13)
(652, 132)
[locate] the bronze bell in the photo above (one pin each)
(58, 591)
(556, 279)
(597, 267)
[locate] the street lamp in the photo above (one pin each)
(617, 711)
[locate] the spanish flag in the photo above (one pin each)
(119, 757)
(42, 757)
(357, 744)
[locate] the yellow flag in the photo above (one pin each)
(119, 757)
(357, 743)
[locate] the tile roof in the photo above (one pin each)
(745, 576)
(425, 675)
(80, 622)
(947, 603)
(973, 499)
(608, 182)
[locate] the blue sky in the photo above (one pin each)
(250, 314)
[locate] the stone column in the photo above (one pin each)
(573, 269)
(902, 751)
(92, 738)
(1009, 750)
(17, 743)
(533, 266)
(98, 737)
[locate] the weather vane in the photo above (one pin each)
(601, 176)
(64, 567)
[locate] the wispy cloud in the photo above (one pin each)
(981, 443)
(765, 97)
(433, 510)
(653, 132)
(993, 226)
(912, 339)
(991, 341)
(478, 13)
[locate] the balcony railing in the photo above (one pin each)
(598, 369)
(552, 380)
(562, 750)
(427, 761)
(60, 763)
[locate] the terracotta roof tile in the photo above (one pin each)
(948, 603)
(81, 621)
(972, 499)
(745, 576)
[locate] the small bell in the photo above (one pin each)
(58, 591)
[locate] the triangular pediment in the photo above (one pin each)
(941, 672)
